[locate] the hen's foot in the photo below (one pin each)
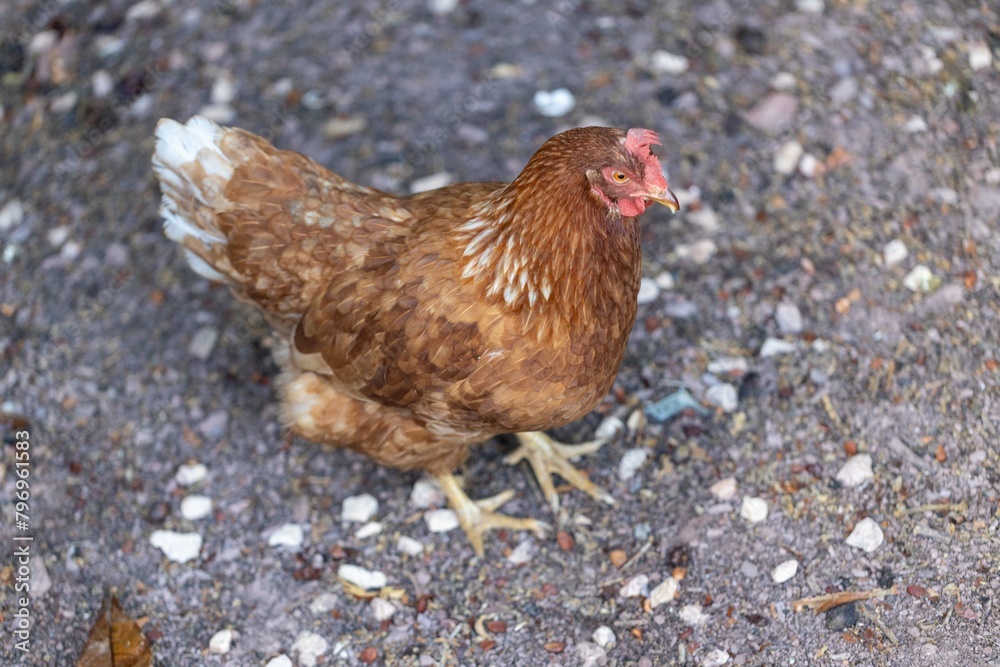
(549, 457)
(478, 516)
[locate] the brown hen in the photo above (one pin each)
(411, 328)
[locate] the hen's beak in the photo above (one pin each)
(667, 198)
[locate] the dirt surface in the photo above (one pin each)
(126, 365)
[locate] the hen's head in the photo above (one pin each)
(626, 176)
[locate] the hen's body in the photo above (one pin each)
(412, 328)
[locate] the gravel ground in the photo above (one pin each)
(825, 154)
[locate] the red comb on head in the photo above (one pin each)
(638, 142)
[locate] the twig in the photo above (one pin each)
(882, 626)
(822, 603)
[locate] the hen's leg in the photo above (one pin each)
(548, 457)
(478, 516)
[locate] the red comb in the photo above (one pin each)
(638, 142)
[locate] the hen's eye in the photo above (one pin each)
(619, 176)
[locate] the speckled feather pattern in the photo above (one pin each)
(415, 327)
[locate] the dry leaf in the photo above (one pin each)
(115, 640)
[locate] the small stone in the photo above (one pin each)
(630, 463)
(426, 493)
(809, 6)
(786, 159)
(693, 615)
(177, 547)
(610, 427)
(680, 308)
(915, 124)
(665, 280)
(980, 56)
(190, 474)
(214, 425)
(280, 661)
(368, 580)
(591, 655)
(648, 291)
(522, 553)
(43, 42)
(441, 521)
(359, 508)
(705, 217)
(370, 529)
(196, 507)
(218, 113)
(41, 582)
(223, 90)
(11, 215)
(866, 536)
(203, 342)
(344, 126)
(310, 646)
(784, 81)
(145, 9)
(845, 90)
(604, 637)
(842, 617)
(664, 62)
(773, 112)
(409, 546)
(717, 657)
(789, 318)
(724, 489)
(440, 7)
(289, 535)
(431, 182)
(63, 103)
(324, 604)
(753, 509)
(856, 471)
(664, 592)
(775, 346)
(221, 642)
(58, 235)
(723, 395)
(749, 570)
(558, 102)
(784, 571)
(698, 252)
(637, 586)
(729, 366)
(920, 279)
(102, 83)
(894, 252)
(381, 610)
(808, 165)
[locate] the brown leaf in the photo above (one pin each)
(555, 647)
(115, 640)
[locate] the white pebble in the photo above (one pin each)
(980, 56)
(729, 366)
(58, 235)
(558, 102)
(609, 428)
(698, 252)
(664, 592)
(63, 103)
(693, 615)
(809, 6)
(440, 7)
(223, 90)
(289, 535)
(705, 217)
(724, 489)
(368, 580)
(637, 586)
(775, 346)
(789, 318)
(43, 42)
(920, 279)
(723, 395)
(426, 493)
(203, 342)
(604, 637)
(522, 553)
(431, 182)
(845, 90)
(310, 646)
(784, 571)
(280, 661)
(866, 536)
(409, 546)
(145, 9)
(665, 280)
(11, 214)
(783, 81)
(630, 463)
(177, 547)
(370, 529)
(856, 470)
(358, 508)
(664, 62)
(591, 655)
(324, 603)
(787, 157)
(382, 610)
(441, 521)
(191, 474)
(218, 113)
(636, 422)
(894, 252)
(753, 509)
(808, 165)
(915, 124)
(196, 507)
(648, 291)
(221, 642)
(717, 657)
